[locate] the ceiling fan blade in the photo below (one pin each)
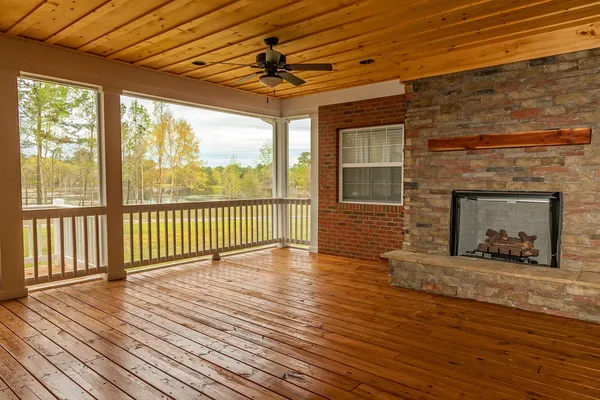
(248, 77)
(309, 67)
(204, 63)
(291, 78)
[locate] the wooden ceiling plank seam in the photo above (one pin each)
(181, 48)
(124, 28)
(508, 25)
(321, 59)
(23, 23)
(445, 47)
(84, 20)
(283, 27)
(164, 54)
(170, 32)
(357, 36)
(525, 48)
(289, 40)
(512, 35)
(401, 8)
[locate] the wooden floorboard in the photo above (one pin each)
(282, 323)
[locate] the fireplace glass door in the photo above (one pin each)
(519, 227)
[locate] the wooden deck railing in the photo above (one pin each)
(66, 242)
(63, 242)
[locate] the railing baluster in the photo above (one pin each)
(97, 238)
(49, 246)
(210, 241)
(34, 237)
(62, 246)
(181, 231)
(158, 241)
(131, 258)
(166, 235)
(86, 250)
(235, 241)
(174, 216)
(196, 229)
(140, 226)
(149, 236)
(203, 230)
(74, 241)
(222, 229)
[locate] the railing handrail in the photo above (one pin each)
(198, 204)
(61, 211)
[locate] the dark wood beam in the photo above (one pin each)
(553, 137)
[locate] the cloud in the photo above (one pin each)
(223, 135)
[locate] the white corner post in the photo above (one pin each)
(280, 189)
(12, 269)
(314, 183)
(112, 181)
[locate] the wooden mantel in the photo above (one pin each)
(551, 137)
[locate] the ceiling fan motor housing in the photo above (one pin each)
(261, 61)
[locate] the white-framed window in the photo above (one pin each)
(372, 165)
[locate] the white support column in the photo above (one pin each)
(280, 150)
(314, 183)
(112, 182)
(12, 270)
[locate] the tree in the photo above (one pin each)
(181, 147)
(43, 108)
(230, 179)
(299, 176)
(162, 122)
(84, 121)
(135, 129)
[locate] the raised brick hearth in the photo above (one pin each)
(553, 92)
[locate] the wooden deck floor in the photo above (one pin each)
(285, 324)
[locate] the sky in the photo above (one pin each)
(223, 135)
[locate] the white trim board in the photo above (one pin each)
(45, 60)
(309, 104)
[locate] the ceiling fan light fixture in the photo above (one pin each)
(270, 81)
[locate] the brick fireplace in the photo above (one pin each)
(547, 93)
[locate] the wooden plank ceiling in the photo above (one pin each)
(406, 38)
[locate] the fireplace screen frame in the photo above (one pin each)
(556, 215)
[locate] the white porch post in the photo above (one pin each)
(12, 270)
(113, 192)
(280, 149)
(314, 183)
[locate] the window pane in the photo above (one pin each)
(349, 175)
(299, 159)
(349, 139)
(174, 153)
(373, 184)
(349, 156)
(395, 153)
(378, 137)
(395, 137)
(378, 154)
(59, 144)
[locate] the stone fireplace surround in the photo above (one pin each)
(553, 92)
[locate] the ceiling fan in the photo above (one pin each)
(274, 67)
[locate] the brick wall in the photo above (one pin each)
(552, 92)
(354, 230)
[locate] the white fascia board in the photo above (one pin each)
(309, 104)
(41, 59)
